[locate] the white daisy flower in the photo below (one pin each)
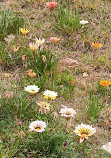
(84, 131)
(39, 41)
(68, 112)
(32, 89)
(38, 126)
(50, 95)
(83, 22)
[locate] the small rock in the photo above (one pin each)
(68, 62)
(85, 74)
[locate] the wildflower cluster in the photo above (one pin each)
(37, 106)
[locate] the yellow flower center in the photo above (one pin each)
(84, 135)
(84, 131)
(49, 97)
(32, 91)
(37, 128)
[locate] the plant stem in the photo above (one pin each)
(41, 141)
(66, 154)
(24, 42)
(84, 149)
(107, 95)
(66, 126)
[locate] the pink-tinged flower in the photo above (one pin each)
(38, 126)
(43, 58)
(54, 39)
(19, 122)
(51, 4)
(84, 131)
(9, 38)
(68, 112)
(33, 46)
(8, 94)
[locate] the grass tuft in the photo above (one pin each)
(66, 21)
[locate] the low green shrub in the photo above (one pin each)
(66, 21)
(42, 61)
(94, 107)
(9, 23)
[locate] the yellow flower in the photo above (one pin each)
(33, 46)
(24, 31)
(50, 95)
(97, 45)
(84, 131)
(15, 49)
(105, 83)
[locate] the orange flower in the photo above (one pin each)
(97, 45)
(72, 83)
(15, 49)
(54, 39)
(105, 83)
(31, 73)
